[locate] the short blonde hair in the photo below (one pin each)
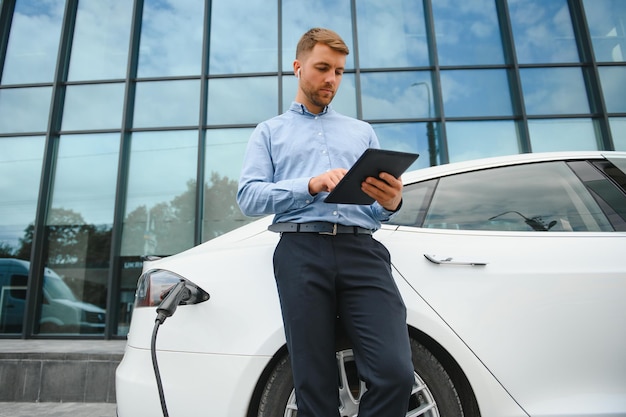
(320, 35)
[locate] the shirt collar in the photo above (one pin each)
(301, 108)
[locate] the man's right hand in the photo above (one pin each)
(326, 181)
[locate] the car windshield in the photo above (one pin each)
(57, 289)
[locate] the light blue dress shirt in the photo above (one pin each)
(285, 152)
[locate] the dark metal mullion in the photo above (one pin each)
(6, 17)
(517, 93)
(436, 81)
(123, 165)
(591, 73)
(202, 118)
(34, 295)
(279, 54)
(357, 62)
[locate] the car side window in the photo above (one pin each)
(18, 286)
(415, 201)
(533, 197)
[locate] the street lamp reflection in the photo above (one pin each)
(430, 126)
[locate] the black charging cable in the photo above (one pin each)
(177, 295)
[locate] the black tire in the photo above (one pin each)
(277, 391)
(438, 383)
(434, 390)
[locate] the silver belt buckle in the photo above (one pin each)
(333, 233)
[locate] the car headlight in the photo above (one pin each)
(154, 285)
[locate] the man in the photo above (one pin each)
(327, 263)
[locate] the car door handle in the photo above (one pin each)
(452, 261)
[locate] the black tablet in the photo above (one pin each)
(370, 164)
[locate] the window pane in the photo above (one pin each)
(554, 91)
(24, 109)
(33, 42)
(299, 16)
(242, 100)
(613, 81)
(397, 95)
(85, 177)
(171, 38)
(618, 131)
(101, 37)
(224, 155)
(468, 32)
(20, 173)
(96, 106)
(252, 46)
(344, 102)
(562, 135)
(391, 33)
(78, 234)
(543, 31)
(410, 137)
(607, 25)
(160, 206)
(473, 140)
(516, 198)
(474, 93)
(167, 103)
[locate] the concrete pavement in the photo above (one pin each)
(52, 360)
(57, 409)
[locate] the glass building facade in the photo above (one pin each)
(123, 122)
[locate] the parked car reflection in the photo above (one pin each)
(61, 311)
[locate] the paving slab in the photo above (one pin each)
(57, 410)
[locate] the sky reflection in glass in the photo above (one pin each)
(241, 100)
(84, 179)
(562, 135)
(472, 140)
(543, 31)
(244, 36)
(613, 80)
(554, 91)
(618, 131)
(20, 172)
(94, 106)
(167, 103)
(171, 38)
(391, 33)
(33, 42)
(24, 109)
(607, 26)
(397, 95)
(101, 38)
(474, 93)
(468, 32)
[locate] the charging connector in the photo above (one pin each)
(174, 297)
(179, 294)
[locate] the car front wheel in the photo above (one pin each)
(433, 394)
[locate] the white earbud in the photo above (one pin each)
(298, 74)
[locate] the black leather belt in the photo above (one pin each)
(323, 228)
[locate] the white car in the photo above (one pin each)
(513, 271)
